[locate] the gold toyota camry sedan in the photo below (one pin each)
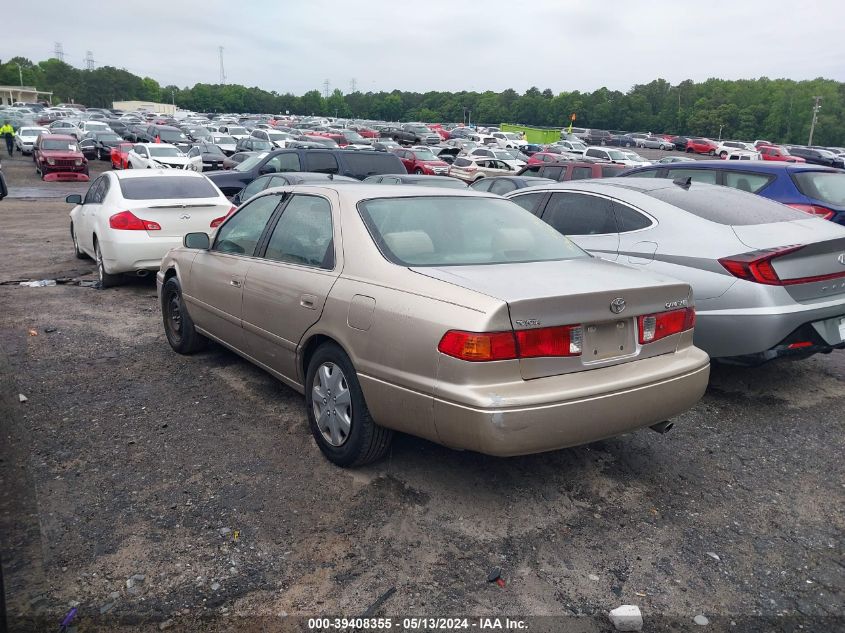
(455, 316)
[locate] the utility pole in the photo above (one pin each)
(326, 85)
(59, 52)
(89, 60)
(353, 85)
(222, 69)
(720, 131)
(20, 74)
(816, 109)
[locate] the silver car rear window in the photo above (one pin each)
(724, 205)
(456, 231)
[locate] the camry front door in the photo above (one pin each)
(213, 288)
(286, 287)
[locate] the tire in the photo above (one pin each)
(100, 154)
(689, 150)
(178, 325)
(129, 165)
(723, 155)
(418, 171)
(107, 280)
(78, 253)
(712, 152)
(348, 435)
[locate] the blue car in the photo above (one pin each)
(813, 189)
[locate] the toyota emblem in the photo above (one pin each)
(617, 305)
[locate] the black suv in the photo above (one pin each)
(165, 134)
(356, 164)
(816, 157)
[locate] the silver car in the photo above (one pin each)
(768, 280)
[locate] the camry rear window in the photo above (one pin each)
(159, 187)
(724, 205)
(827, 186)
(455, 231)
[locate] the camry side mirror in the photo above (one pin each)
(197, 240)
(73, 198)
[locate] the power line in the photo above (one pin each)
(816, 108)
(59, 51)
(89, 60)
(222, 69)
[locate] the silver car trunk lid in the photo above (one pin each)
(571, 292)
(822, 254)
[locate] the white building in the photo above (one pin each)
(10, 95)
(147, 106)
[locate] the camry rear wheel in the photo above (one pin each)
(337, 413)
(107, 280)
(178, 325)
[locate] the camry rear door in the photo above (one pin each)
(287, 285)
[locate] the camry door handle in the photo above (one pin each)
(235, 282)
(308, 301)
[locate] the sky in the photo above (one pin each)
(295, 45)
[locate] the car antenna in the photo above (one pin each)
(683, 182)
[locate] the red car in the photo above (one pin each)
(58, 157)
(438, 129)
(701, 146)
(772, 152)
(120, 155)
(365, 132)
(422, 161)
(540, 158)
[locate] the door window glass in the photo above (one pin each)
(253, 188)
(552, 172)
(240, 234)
(528, 201)
(91, 195)
(746, 181)
(580, 214)
(710, 176)
(321, 162)
(303, 235)
(581, 173)
(286, 161)
(502, 186)
(627, 219)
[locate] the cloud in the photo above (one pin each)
(442, 44)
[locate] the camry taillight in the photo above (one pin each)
(218, 221)
(814, 209)
(128, 221)
(563, 340)
(758, 267)
(653, 327)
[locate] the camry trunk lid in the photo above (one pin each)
(572, 292)
(812, 263)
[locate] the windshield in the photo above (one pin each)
(419, 129)
(211, 149)
(250, 162)
(96, 126)
(278, 136)
(237, 130)
(505, 154)
(171, 136)
(827, 186)
(225, 140)
(511, 136)
(635, 157)
(424, 154)
(352, 135)
(33, 131)
(164, 152)
(67, 146)
(107, 136)
(615, 154)
(455, 231)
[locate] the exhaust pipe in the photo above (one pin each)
(662, 427)
(142, 273)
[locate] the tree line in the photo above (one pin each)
(775, 109)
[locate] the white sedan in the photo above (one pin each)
(158, 155)
(26, 137)
(128, 220)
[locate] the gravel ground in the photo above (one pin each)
(152, 490)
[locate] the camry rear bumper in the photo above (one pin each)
(620, 398)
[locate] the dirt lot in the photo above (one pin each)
(197, 476)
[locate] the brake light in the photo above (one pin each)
(218, 221)
(653, 327)
(478, 346)
(564, 340)
(558, 341)
(814, 209)
(757, 267)
(128, 221)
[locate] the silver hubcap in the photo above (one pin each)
(332, 404)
